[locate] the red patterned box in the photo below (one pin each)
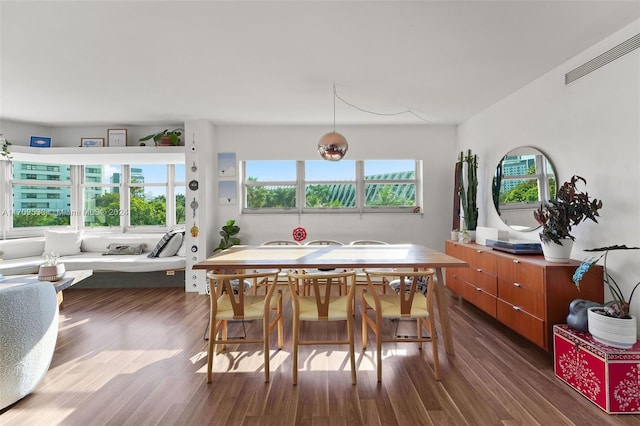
(608, 376)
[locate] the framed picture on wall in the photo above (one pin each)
(40, 142)
(226, 164)
(117, 137)
(91, 142)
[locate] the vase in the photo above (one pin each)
(617, 332)
(51, 272)
(578, 318)
(558, 253)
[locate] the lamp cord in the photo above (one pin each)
(335, 95)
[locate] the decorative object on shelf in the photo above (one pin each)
(611, 324)
(51, 270)
(229, 230)
(117, 137)
(40, 142)
(454, 235)
(468, 190)
(333, 146)
(578, 318)
(4, 148)
(91, 142)
(299, 234)
(557, 217)
(165, 138)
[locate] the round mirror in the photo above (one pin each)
(522, 180)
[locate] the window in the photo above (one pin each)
(270, 185)
(318, 186)
(50, 185)
(101, 194)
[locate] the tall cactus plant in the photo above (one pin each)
(468, 189)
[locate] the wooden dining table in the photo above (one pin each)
(242, 257)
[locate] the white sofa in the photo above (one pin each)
(25, 255)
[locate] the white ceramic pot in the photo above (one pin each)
(558, 253)
(610, 331)
(51, 272)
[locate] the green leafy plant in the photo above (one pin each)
(568, 209)
(4, 148)
(171, 135)
(229, 230)
(619, 307)
(469, 193)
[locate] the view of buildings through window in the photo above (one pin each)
(112, 195)
(521, 179)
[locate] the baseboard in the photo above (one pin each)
(156, 279)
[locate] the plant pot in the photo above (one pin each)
(472, 235)
(454, 235)
(617, 332)
(165, 141)
(558, 253)
(51, 273)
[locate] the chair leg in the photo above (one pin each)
(419, 333)
(351, 349)
(364, 310)
(210, 351)
(296, 337)
(434, 347)
(266, 326)
(280, 322)
(379, 348)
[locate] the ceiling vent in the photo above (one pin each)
(602, 60)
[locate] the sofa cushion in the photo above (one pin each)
(63, 243)
(172, 246)
(22, 247)
(98, 242)
(124, 248)
(164, 241)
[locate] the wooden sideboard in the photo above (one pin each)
(524, 292)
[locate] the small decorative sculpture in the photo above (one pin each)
(577, 318)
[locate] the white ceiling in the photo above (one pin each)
(267, 62)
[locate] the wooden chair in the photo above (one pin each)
(323, 243)
(228, 305)
(282, 276)
(361, 277)
(407, 303)
(322, 306)
(342, 285)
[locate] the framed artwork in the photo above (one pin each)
(40, 142)
(227, 192)
(117, 137)
(91, 142)
(227, 164)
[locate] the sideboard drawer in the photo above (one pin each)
(523, 273)
(521, 296)
(524, 323)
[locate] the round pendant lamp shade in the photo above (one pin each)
(332, 146)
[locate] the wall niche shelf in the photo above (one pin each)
(100, 155)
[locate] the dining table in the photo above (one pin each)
(414, 256)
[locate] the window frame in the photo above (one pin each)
(360, 182)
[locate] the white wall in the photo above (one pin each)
(433, 144)
(590, 128)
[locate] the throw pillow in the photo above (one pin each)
(63, 243)
(123, 248)
(163, 242)
(172, 246)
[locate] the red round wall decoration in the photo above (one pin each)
(299, 234)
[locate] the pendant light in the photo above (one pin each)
(333, 146)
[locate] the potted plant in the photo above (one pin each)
(559, 215)
(4, 148)
(468, 191)
(611, 324)
(165, 138)
(229, 230)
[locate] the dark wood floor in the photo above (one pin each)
(137, 357)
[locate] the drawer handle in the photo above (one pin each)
(479, 270)
(478, 251)
(516, 261)
(517, 284)
(515, 308)
(478, 288)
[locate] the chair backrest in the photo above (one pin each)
(409, 284)
(367, 242)
(323, 243)
(281, 243)
(220, 284)
(322, 283)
